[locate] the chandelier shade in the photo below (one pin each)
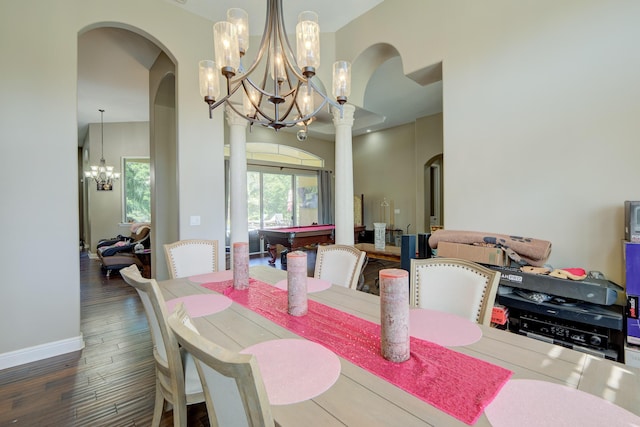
(103, 175)
(209, 82)
(308, 40)
(278, 89)
(240, 19)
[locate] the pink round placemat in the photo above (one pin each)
(294, 370)
(442, 328)
(313, 285)
(216, 276)
(201, 304)
(538, 403)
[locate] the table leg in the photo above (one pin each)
(273, 251)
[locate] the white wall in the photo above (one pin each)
(389, 164)
(428, 145)
(40, 290)
(541, 106)
(384, 167)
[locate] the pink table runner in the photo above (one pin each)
(313, 285)
(457, 384)
(294, 370)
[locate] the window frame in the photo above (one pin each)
(136, 159)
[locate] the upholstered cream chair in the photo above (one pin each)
(339, 264)
(177, 380)
(191, 257)
(234, 392)
(455, 286)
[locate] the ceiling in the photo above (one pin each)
(113, 69)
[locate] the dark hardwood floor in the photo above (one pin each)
(111, 382)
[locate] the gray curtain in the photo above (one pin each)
(325, 197)
(227, 190)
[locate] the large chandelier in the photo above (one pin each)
(283, 93)
(103, 175)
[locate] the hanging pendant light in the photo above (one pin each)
(103, 175)
(283, 95)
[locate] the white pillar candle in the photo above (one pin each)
(394, 314)
(241, 265)
(297, 283)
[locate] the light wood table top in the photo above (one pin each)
(389, 253)
(360, 398)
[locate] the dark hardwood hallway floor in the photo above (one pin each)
(111, 382)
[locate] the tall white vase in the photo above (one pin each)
(380, 234)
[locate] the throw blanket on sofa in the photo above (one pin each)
(521, 249)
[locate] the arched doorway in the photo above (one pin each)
(130, 76)
(434, 194)
(164, 165)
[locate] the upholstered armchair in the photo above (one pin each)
(118, 252)
(140, 234)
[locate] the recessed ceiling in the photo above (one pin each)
(113, 67)
(113, 75)
(329, 20)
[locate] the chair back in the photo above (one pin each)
(455, 286)
(235, 394)
(339, 264)
(190, 257)
(177, 378)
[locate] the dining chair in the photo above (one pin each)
(339, 264)
(190, 257)
(235, 394)
(177, 380)
(456, 286)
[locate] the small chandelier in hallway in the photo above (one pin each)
(283, 93)
(103, 175)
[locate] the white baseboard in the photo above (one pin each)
(39, 352)
(92, 255)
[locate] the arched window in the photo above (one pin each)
(278, 153)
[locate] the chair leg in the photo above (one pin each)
(179, 412)
(158, 407)
(361, 286)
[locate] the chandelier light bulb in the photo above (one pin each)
(227, 52)
(306, 99)
(341, 80)
(249, 100)
(308, 42)
(240, 19)
(209, 80)
(277, 70)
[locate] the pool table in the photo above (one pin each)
(296, 237)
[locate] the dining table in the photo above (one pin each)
(356, 395)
